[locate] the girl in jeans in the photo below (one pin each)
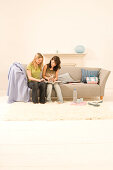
(50, 73)
(34, 81)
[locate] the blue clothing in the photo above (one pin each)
(18, 89)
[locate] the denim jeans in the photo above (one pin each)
(57, 89)
(35, 86)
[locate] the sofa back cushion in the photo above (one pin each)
(74, 72)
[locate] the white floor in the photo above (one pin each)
(20, 111)
(56, 145)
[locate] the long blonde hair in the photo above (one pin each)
(34, 63)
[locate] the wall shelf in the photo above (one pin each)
(65, 54)
(66, 58)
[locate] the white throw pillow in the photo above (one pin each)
(64, 78)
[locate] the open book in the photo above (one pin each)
(52, 82)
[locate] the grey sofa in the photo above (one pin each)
(84, 90)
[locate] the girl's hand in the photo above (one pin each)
(51, 79)
(55, 79)
(41, 80)
(47, 78)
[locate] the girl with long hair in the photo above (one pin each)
(50, 73)
(34, 81)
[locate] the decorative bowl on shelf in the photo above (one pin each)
(79, 49)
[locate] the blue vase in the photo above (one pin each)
(79, 49)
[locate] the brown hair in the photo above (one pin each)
(57, 62)
(38, 55)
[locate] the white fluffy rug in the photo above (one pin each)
(20, 111)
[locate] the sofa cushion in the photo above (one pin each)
(83, 90)
(64, 78)
(75, 72)
(92, 80)
(89, 73)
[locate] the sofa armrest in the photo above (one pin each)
(103, 76)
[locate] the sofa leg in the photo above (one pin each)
(101, 97)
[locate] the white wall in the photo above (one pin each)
(30, 26)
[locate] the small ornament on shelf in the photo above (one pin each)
(56, 51)
(79, 49)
